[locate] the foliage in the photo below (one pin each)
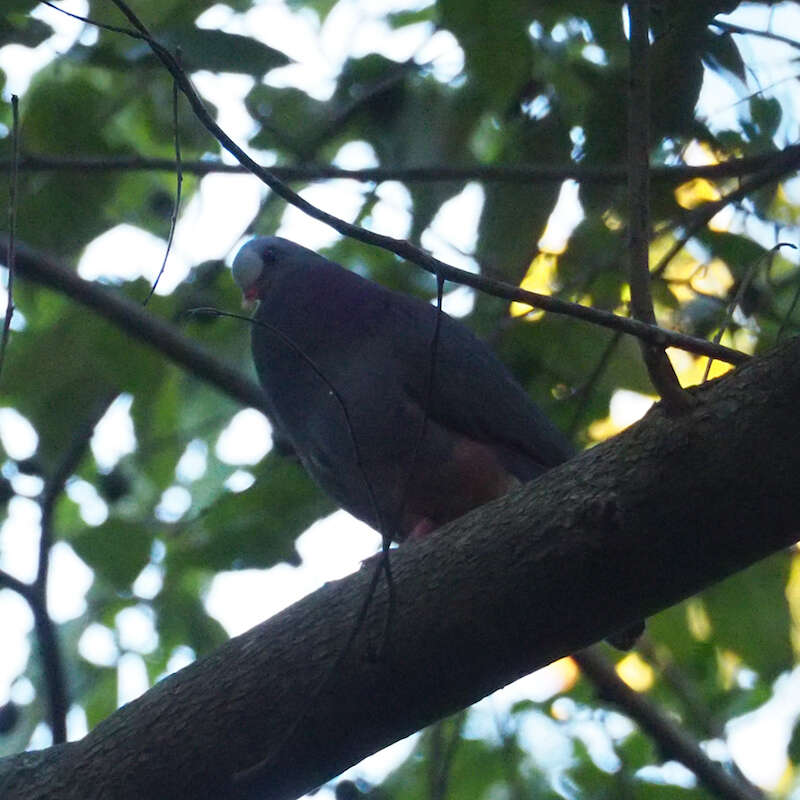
(542, 83)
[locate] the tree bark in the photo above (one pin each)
(630, 527)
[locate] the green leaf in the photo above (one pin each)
(217, 51)
(766, 114)
(19, 28)
(288, 117)
(256, 527)
(496, 45)
(182, 617)
(750, 615)
(64, 113)
(117, 550)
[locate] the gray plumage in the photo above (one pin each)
(483, 433)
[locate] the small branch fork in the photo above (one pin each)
(35, 593)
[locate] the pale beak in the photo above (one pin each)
(250, 299)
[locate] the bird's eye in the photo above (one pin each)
(268, 255)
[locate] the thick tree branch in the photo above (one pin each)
(628, 528)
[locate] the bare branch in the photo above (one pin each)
(53, 664)
(730, 27)
(179, 183)
(8, 581)
(164, 337)
(512, 174)
(781, 164)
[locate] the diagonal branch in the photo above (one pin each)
(781, 164)
(671, 738)
(42, 269)
(138, 323)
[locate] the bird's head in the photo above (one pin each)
(261, 258)
(251, 266)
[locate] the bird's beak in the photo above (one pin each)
(250, 299)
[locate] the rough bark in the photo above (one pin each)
(628, 528)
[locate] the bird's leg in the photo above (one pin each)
(422, 528)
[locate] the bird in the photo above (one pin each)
(396, 410)
(402, 439)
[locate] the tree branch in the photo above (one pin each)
(784, 162)
(138, 323)
(500, 173)
(618, 533)
(658, 364)
(12, 228)
(729, 27)
(42, 269)
(53, 665)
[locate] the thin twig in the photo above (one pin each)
(730, 27)
(585, 390)
(179, 184)
(247, 777)
(782, 163)
(785, 321)
(744, 285)
(12, 228)
(658, 364)
(155, 332)
(383, 565)
(380, 523)
(428, 395)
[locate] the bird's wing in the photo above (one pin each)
(473, 393)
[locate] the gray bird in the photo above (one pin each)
(330, 338)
